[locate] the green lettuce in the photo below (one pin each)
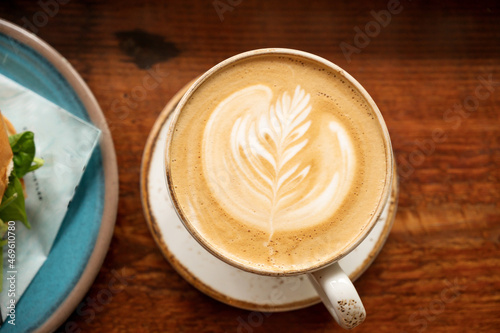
(12, 204)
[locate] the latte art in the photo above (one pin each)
(265, 142)
(277, 163)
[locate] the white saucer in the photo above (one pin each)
(213, 276)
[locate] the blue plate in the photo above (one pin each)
(84, 236)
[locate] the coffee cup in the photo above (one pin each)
(279, 163)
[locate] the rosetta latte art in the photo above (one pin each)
(277, 173)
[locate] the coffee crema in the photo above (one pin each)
(278, 162)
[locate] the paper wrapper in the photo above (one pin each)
(66, 143)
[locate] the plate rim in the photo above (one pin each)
(110, 170)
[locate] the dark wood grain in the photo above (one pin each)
(440, 268)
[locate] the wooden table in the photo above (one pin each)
(432, 68)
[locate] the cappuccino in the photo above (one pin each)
(277, 162)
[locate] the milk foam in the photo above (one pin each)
(266, 143)
(278, 162)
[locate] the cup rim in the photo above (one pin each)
(368, 226)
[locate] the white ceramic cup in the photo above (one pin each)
(332, 284)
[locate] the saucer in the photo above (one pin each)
(214, 277)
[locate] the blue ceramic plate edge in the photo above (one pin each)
(110, 167)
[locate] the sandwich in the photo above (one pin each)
(17, 158)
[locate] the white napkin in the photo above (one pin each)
(66, 143)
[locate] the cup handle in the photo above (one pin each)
(339, 295)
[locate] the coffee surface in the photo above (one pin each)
(278, 162)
